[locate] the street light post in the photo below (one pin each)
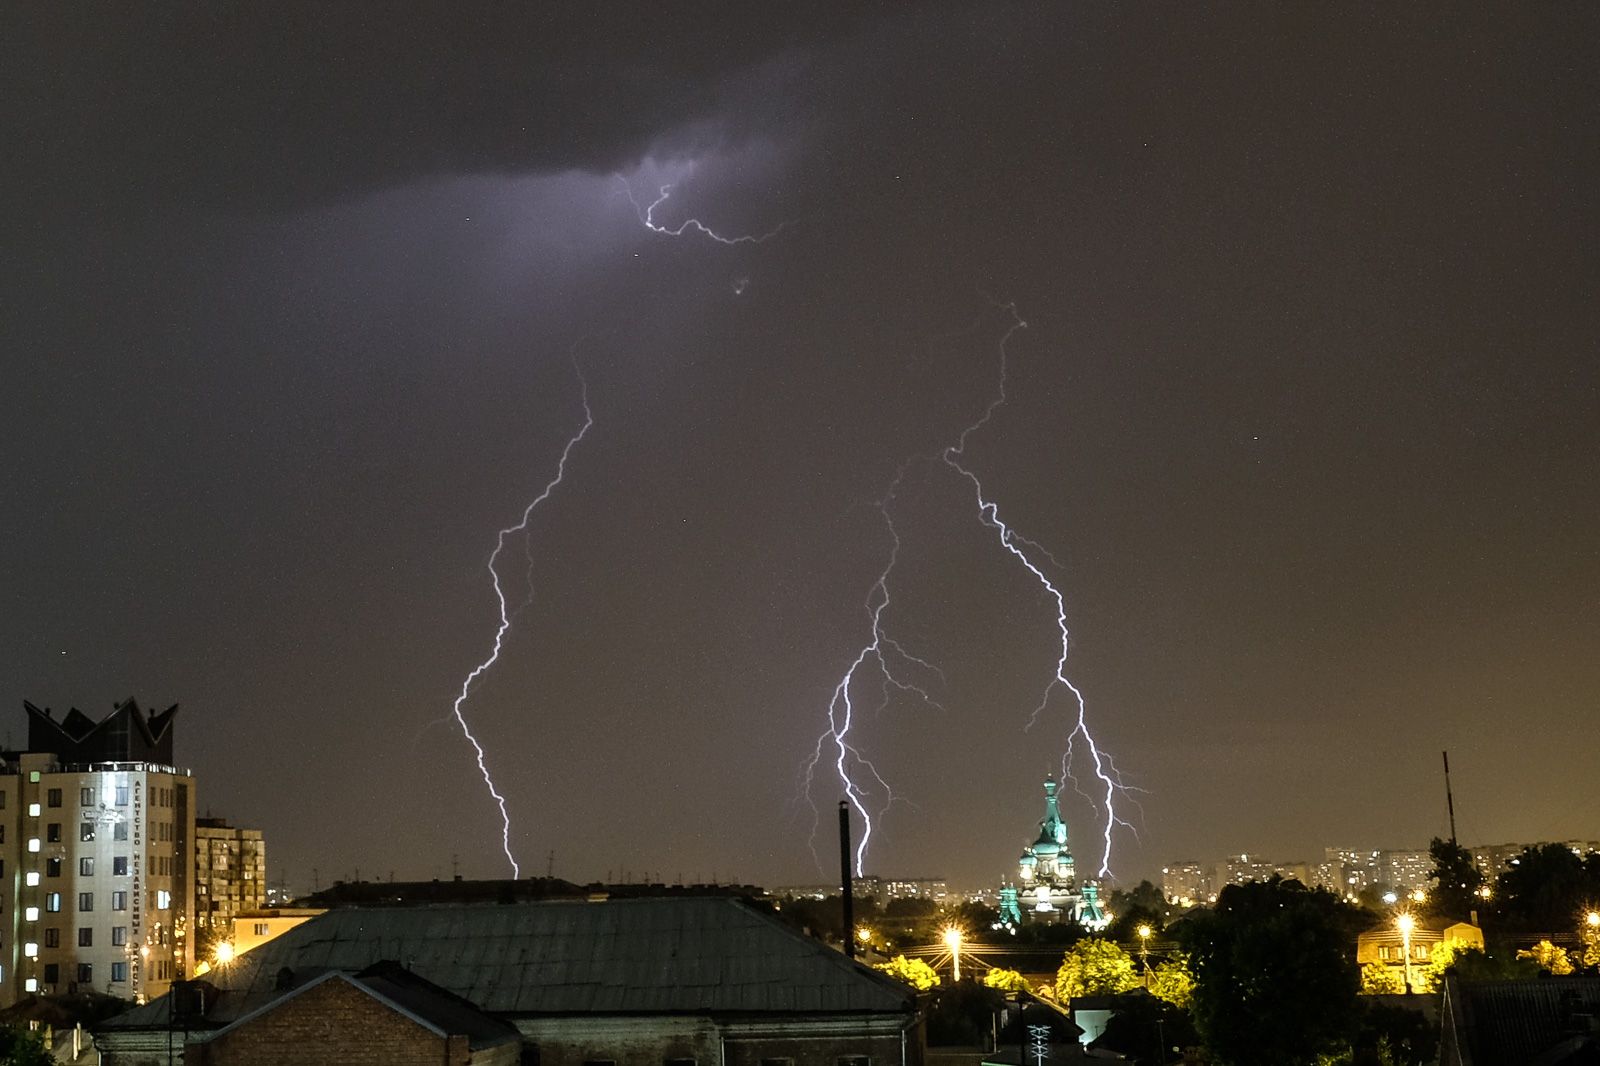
(1406, 923)
(952, 938)
(1144, 953)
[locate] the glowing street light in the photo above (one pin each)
(224, 953)
(952, 939)
(1406, 923)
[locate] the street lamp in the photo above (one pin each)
(1144, 952)
(952, 939)
(1406, 923)
(1591, 938)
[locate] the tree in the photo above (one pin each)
(1275, 976)
(1378, 979)
(914, 972)
(1548, 957)
(1095, 967)
(20, 1048)
(1455, 880)
(1005, 980)
(1173, 981)
(1472, 965)
(1544, 889)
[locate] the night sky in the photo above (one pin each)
(1306, 410)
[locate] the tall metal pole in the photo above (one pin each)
(846, 884)
(1449, 800)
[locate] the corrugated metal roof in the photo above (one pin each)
(632, 956)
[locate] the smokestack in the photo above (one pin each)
(847, 888)
(1449, 800)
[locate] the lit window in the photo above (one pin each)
(122, 795)
(52, 902)
(30, 914)
(85, 831)
(30, 950)
(163, 899)
(33, 844)
(30, 985)
(33, 810)
(33, 777)
(32, 878)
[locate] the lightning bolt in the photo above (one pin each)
(954, 457)
(892, 661)
(506, 616)
(647, 216)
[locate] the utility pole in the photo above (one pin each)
(846, 885)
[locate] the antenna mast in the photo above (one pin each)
(1449, 800)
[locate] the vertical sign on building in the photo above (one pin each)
(137, 902)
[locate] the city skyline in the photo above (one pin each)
(1302, 424)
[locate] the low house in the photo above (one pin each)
(1387, 944)
(696, 981)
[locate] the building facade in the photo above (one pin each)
(97, 856)
(230, 877)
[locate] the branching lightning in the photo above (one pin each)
(891, 661)
(506, 616)
(1105, 770)
(647, 215)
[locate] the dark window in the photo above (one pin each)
(86, 797)
(85, 973)
(52, 833)
(119, 971)
(52, 797)
(86, 901)
(119, 901)
(85, 831)
(52, 973)
(122, 795)
(86, 867)
(119, 935)
(52, 938)
(119, 866)
(119, 831)
(52, 867)
(86, 937)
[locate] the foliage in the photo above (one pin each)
(962, 1013)
(1141, 905)
(1545, 888)
(1472, 965)
(1454, 880)
(1275, 976)
(1394, 1036)
(1430, 977)
(914, 972)
(1379, 979)
(19, 1047)
(1137, 1025)
(910, 908)
(1173, 981)
(1095, 967)
(1548, 957)
(1005, 980)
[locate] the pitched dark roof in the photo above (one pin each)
(568, 957)
(422, 1001)
(124, 735)
(1514, 1023)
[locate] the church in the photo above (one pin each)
(1048, 888)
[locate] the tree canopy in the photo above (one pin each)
(1275, 974)
(914, 972)
(1095, 967)
(1455, 880)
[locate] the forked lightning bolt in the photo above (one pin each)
(505, 621)
(890, 659)
(1105, 770)
(647, 215)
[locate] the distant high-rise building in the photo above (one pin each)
(97, 837)
(230, 876)
(1187, 883)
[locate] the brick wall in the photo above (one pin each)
(331, 1022)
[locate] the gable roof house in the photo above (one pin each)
(634, 982)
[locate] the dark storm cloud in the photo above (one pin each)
(283, 104)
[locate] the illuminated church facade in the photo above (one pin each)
(1047, 887)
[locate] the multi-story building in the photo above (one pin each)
(230, 876)
(1406, 871)
(96, 856)
(1186, 884)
